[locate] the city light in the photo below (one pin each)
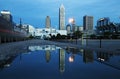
(5, 12)
(71, 20)
(71, 59)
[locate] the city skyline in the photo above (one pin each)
(34, 12)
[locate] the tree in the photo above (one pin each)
(93, 36)
(31, 37)
(58, 36)
(77, 34)
(107, 34)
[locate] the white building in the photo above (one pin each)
(43, 33)
(80, 28)
(48, 32)
(31, 29)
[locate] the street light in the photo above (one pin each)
(71, 21)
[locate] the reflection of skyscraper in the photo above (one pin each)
(88, 56)
(47, 55)
(62, 60)
(62, 17)
(48, 22)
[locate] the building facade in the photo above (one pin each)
(68, 28)
(62, 17)
(43, 33)
(31, 29)
(103, 22)
(104, 25)
(87, 23)
(48, 22)
(6, 15)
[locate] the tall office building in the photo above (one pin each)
(48, 22)
(88, 23)
(62, 17)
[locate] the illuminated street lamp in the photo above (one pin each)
(71, 21)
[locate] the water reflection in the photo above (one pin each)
(56, 60)
(62, 60)
(43, 47)
(8, 56)
(48, 56)
(89, 56)
(71, 58)
(6, 61)
(48, 49)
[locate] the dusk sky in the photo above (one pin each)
(34, 12)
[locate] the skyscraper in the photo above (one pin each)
(62, 17)
(48, 22)
(88, 23)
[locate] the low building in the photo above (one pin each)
(31, 29)
(43, 33)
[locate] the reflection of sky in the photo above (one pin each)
(35, 11)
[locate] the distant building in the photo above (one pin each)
(31, 30)
(104, 25)
(76, 28)
(103, 21)
(80, 28)
(62, 17)
(6, 20)
(48, 22)
(6, 15)
(68, 28)
(43, 33)
(88, 23)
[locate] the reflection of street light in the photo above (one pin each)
(71, 59)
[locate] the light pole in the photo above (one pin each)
(71, 21)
